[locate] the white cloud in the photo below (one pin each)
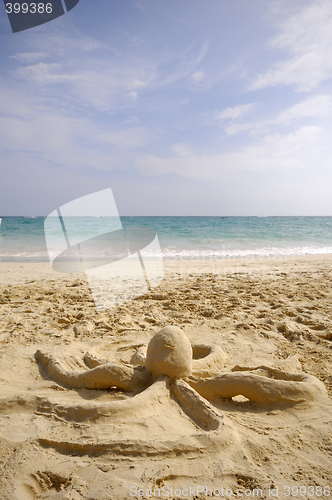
(198, 76)
(174, 68)
(235, 112)
(45, 74)
(318, 106)
(276, 152)
(127, 139)
(133, 95)
(132, 120)
(13, 103)
(183, 150)
(136, 84)
(105, 81)
(55, 138)
(43, 113)
(307, 37)
(96, 85)
(29, 57)
(237, 128)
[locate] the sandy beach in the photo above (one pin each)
(60, 443)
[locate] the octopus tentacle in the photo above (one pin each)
(196, 406)
(207, 359)
(125, 377)
(283, 388)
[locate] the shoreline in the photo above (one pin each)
(22, 272)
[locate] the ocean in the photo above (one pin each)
(23, 239)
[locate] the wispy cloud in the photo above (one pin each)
(273, 152)
(68, 141)
(318, 106)
(175, 67)
(307, 38)
(237, 128)
(128, 138)
(96, 85)
(58, 104)
(198, 76)
(105, 81)
(234, 112)
(29, 57)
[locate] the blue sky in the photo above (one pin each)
(182, 107)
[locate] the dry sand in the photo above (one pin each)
(58, 443)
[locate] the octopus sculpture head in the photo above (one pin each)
(169, 353)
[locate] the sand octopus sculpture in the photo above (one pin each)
(192, 373)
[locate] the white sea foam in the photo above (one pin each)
(189, 253)
(260, 252)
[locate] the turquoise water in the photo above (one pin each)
(23, 238)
